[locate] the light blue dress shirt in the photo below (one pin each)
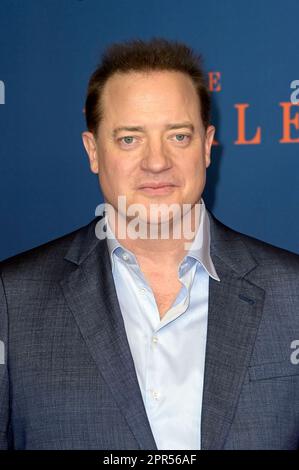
(168, 353)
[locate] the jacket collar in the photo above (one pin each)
(235, 310)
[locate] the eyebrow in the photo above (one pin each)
(176, 125)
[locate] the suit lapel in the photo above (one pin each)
(90, 293)
(235, 309)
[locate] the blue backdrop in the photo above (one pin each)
(48, 49)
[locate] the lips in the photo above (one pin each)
(157, 189)
(155, 185)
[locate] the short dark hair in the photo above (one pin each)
(144, 56)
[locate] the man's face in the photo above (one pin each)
(151, 132)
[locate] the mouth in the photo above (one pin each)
(157, 188)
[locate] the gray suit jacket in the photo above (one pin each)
(69, 380)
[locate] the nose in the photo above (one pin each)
(155, 158)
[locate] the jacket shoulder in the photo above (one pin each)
(263, 252)
(41, 262)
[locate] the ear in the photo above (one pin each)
(91, 149)
(210, 132)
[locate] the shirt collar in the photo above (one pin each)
(199, 249)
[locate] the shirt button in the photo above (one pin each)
(142, 290)
(125, 256)
(156, 395)
(155, 339)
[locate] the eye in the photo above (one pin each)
(182, 137)
(127, 139)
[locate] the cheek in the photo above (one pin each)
(123, 163)
(192, 170)
(116, 173)
(111, 165)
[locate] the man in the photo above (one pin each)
(143, 342)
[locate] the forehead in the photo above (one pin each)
(148, 93)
